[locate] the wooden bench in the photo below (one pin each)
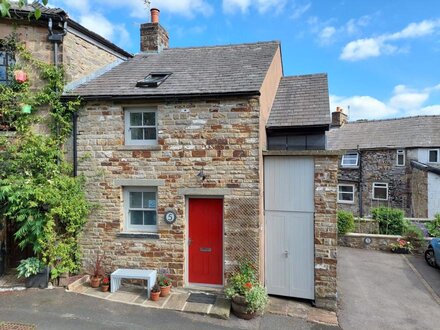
(137, 274)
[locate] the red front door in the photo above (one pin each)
(205, 241)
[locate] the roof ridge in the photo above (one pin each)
(227, 45)
(361, 121)
(306, 75)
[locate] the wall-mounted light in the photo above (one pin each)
(201, 175)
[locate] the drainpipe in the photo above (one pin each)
(361, 209)
(75, 143)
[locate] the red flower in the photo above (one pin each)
(105, 281)
(248, 285)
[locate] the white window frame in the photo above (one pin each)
(350, 165)
(126, 203)
(438, 155)
(402, 153)
(128, 140)
(380, 185)
(343, 201)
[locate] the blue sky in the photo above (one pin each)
(382, 57)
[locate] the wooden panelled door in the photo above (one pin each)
(205, 240)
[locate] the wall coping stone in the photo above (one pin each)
(379, 236)
(329, 153)
(139, 182)
(205, 191)
(134, 148)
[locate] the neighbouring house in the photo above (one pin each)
(173, 143)
(53, 38)
(392, 162)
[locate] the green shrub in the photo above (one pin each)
(414, 235)
(434, 226)
(390, 220)
(345, 222)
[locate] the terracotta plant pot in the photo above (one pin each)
(104, 288)
(95, 281)
(165, 290)
(154, 296)
(239, 308)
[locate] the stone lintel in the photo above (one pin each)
(204, 191)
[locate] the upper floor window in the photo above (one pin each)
(434, 156)
(7, 59)
(380, 191)
(350, 159)
(140, 209)
(400, 160)
(140, 126)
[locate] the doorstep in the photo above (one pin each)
(177, 300)
(10, 282)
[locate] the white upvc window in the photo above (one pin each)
(140, 126)
(380, 191)
(350, 159)
(346, 193)
(433, 156)
(400, 159)
(140, 209)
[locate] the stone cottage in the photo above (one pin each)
(173, 144)
(54, 38)
(393, 162)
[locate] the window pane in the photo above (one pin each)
(400, 159)
(296, 142)
(149, 218)
(150, 133)
(277, 143)
(346, 197)
(149, 119)
(136, 200)
(380, 193)
(433, 156)
(3, 73)
(149, 200)
(137, 133)
(346, 189)
(136, 119)
(136, 218)
(350, 159)
(2, 58)
(316, 141)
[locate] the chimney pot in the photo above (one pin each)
(155, 15)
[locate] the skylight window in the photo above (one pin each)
(154, 79)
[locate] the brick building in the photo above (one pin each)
(394, 163)
(173, 144)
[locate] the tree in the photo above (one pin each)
(5, 6)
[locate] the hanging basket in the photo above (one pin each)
(20, 76)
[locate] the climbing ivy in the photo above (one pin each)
(37, 190)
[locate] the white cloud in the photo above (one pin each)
(300, 10)
(262, 6)
(326, 35)
(373, 47)
(403, 102)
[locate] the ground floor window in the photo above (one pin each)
(346, 193)
(140, 209)
(380, 191)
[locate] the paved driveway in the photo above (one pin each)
(380, 290)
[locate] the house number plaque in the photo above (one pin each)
(170, 217)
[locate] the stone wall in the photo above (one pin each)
(220, 136)
(419, 189)
(326, 240)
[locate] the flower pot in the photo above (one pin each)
(239, 308)
(95, 281)
(165, 290)
(154, 296)
(400, 250)
(104, 288)
(40, 280)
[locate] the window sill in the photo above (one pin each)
(139, 147)
(345, 202)
(138, 235)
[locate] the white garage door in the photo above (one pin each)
(433, 195)
(289, 226)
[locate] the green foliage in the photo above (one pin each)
(390, 220)
(5, 6)
(345, 222)
(414, 235)
(434, 226)
(37, 190)
(163, 280)
(29, 267)
(244, 283)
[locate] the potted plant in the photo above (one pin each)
(248, 297)
(402, 246)
(165, 285)
(105, 284)
(97, 272)
(155, 292)
(35, 272)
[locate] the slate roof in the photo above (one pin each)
(420, 131)
(227, 69)
(301, 101)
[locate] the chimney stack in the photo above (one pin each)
(339, 118)
(154, 38)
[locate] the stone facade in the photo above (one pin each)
(326, 236)
(419, 192)
(219, 135)
(154, 38)
(378, 166)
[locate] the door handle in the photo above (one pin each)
(205, 249)
(286, 254)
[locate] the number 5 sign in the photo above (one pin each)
(170, 217)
